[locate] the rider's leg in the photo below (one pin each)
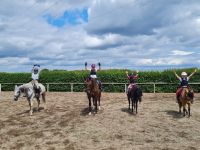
(178, 93)
(99, 83)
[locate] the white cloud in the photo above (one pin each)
(181, 53)
(119, 33)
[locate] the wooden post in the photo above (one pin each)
(154, 88)
(125, 88)
(47, 87)
(72, 87)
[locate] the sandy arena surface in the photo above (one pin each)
(65, 124)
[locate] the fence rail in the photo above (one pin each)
(154, 84)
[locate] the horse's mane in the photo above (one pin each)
(94, 84)
(27, 85)
(186, 93)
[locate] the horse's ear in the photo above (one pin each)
(15, 86)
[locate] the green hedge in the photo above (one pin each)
(106, 76)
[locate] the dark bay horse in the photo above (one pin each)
(93, 92)
(134, 95)
(186, 98)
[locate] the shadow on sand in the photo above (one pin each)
(128, 111)
(84, 111)
(174, 114)
(27, 111)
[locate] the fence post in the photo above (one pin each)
(154, 88)
(0, 87)
(72, 87)
(125, 88)
(47, 87)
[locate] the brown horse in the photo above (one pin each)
(93, 91)
(134, 95)
(186, 98)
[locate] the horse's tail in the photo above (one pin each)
(44, 97)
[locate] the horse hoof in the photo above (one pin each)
(99, 108)
(89, 113)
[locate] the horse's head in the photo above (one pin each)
(17, 93)
(190, 94)
(88, 85)
(187, 93)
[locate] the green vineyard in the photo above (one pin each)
(60, 80)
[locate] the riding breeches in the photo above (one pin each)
(35, 83)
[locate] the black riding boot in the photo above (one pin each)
(100, 85)
(177, 99)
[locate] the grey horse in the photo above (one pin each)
(30, 94)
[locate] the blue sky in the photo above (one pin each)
(129, 34)
(72, 17)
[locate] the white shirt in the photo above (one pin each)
(35, 76)
(93, 76)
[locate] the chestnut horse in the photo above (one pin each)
(94, 93)
(186, 98)
(134, 95)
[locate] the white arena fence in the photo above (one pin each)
(153, 85)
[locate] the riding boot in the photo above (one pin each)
(192, 100)
(177, 99)
(100, 86)
(99, 83)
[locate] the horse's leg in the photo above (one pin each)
(189, 114)
(129, 107)
(184, 110)
(95, 99)
(44, 99)
(132, 104)
(99, 99)
(179, 104)
(136, 105)
(30, 105)
(129, 101)
(90, 107)
(38, 101)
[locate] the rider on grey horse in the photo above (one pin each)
(35, 77)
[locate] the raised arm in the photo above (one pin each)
(177, 75)
(192, 73)
(32, 70)
(137, 73)
(127, 74)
